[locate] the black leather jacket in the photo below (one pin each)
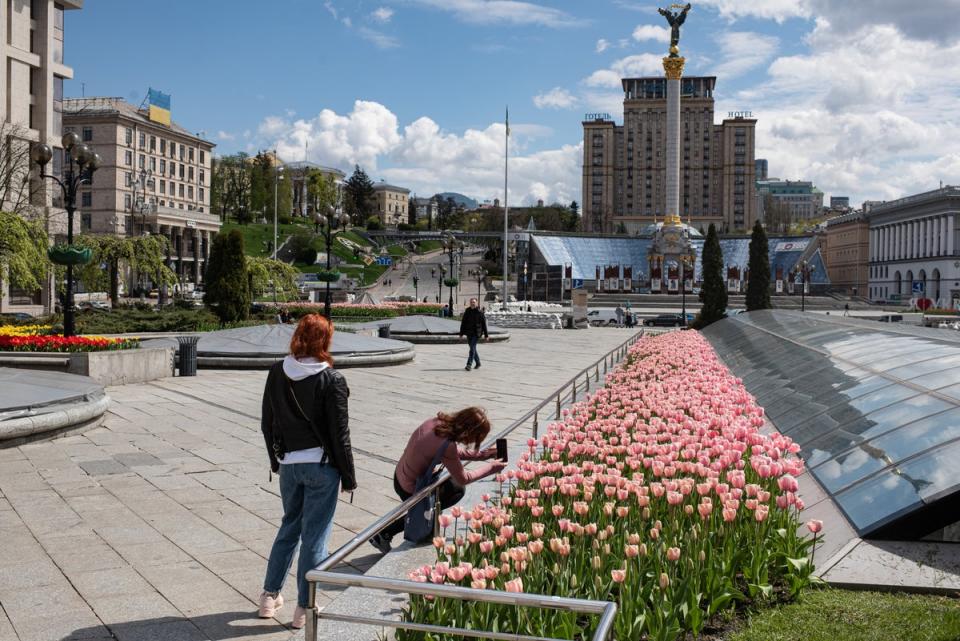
(323, 398)
(473, 323)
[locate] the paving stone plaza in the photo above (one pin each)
(157, 524)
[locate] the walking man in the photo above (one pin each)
(473, 325)
(619, 313)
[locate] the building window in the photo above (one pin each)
(128, 158)
(191, 154)
(129, 136)
(200, 194)
(202, 178)
(163, 167)
(142, 162)
(202, 157)
(180, 194)
(86, 199)
(143, 140)
(190, 174)
(181, 170)
(128, 201)
(183, 151)
(163, 188)
(128, 178)
(86, 222)
(153, 143)
(190, 192)
(173, 168)
(173, 187)
(87, 134)
(163, 146)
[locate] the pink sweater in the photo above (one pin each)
(423, 446)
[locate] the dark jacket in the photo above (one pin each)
(473, 323)
(323, 397)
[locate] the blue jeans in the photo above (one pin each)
(472, 356)
(309, 494)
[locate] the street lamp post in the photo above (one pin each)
(804, 269)
(451, 245)
(443, 272)
(87, 162)
(480, 273)
(684, 261)
(416, 292)
(276, 186)
(333, 221)
(524, 283)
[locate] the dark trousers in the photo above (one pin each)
(450, 495)
(473, 356)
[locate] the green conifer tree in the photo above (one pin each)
(713, 294)
(758, 286)
(226, 280)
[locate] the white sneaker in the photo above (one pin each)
(269, 604)
(299, 618)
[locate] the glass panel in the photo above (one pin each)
(935, 363)
(917, 437)
(953, 391)
(869, 503)
(935, 380)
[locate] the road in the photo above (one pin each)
(399, 280)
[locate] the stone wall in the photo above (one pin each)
(123, 366)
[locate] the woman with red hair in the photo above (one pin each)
(306, 428)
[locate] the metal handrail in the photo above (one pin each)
(323, 574)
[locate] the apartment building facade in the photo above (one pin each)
(846, 249)
(624, 167)
(31, 98)
(154, 179)
(393, 207)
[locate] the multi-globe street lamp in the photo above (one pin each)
(480, 274)
(451, 246)
(87, 161)
(685, 261)
(278, 172)
(804, 269)
(333, 221)
(442, 273)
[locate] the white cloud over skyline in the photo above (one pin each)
(556, 98)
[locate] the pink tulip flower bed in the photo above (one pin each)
(658, 492)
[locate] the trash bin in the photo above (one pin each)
(383, 331)
(187, 362)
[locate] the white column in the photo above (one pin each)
(943, 235)
(898, 242)
(950, 235)
(928, 237)
(914, 233)
(885, 251)
(673, 146)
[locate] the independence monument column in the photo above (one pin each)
(673, 69)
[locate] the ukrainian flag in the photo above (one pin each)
(159, 103)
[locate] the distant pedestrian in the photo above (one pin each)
(473, 325)
(619, 313)
(846, 309)
(628, 319)
(306, 429)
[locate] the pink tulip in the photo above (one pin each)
(486, 546)
(673, 554)
(664, 581)
(814, 525)
(618, 576)
(516, 585)
(445, 520)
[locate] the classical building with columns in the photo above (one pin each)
(155, 179)
(913, 248)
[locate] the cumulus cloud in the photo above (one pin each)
(602, 45)
(656, 33)
(743, 51)
(225, 135)
(512, 12)
(556, 98)
(637, 65)
(382, 14)
(778, 10)
(427, 159)
(862, 115)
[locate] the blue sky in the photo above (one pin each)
(414, 90)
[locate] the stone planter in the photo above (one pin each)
(121, 367)
(69, 255)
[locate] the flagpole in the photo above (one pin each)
(506, 207)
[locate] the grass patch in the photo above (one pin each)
(429, 245)
(845, 615)
(397, 250)
(256, 236)
(131, 321)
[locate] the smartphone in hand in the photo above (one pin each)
(502, 449)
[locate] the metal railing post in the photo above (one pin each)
(536, 424)
(310, 631)
(558, 406)
(573, 392)
(596, 373)
(437, 509)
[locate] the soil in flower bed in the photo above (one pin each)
(657, 492)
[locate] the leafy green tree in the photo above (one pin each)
(374, 224)
(23, 251)
(321, 190)
(713, 294)
(268, 276)
(226, 280)
(232, 182)
(261, 172)
(621, 229)
(758, 285)
(144, 255)
(358, 195)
